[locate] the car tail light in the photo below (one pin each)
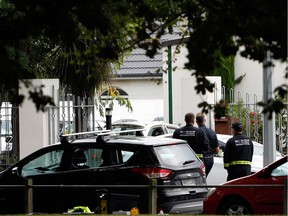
(203, 169)
(153, 172)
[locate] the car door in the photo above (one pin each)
(269, 200)
(84, 183)
(42, 168)
(47, 172)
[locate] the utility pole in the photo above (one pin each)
(269, 136)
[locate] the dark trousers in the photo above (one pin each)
(208, 161)
(238, 171)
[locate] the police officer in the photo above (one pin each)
(238, 153)
(193, 135)
(210, 135)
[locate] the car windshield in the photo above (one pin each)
(175, 155)
(125, 127)
(122, 127)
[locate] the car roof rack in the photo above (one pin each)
(64, 140)
(100, 134)
(86, 133)
(103, 137)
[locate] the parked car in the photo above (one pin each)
(115, 160)
(154, 128)
(124, 120)
(252, 200)
(218, 174)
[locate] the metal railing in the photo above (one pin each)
(152, 187)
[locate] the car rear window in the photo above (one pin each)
(175, 155)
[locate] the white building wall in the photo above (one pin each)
(33, 125)
(184, 96)
(146, 97)
(252, 83)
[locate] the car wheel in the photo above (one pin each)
(235, 207)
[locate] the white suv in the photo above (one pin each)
(150, 128)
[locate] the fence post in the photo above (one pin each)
(29, 196)
(152, 196)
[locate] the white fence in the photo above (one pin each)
(75, 114)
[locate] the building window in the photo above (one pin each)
(106, 96)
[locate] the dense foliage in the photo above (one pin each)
(80, 40)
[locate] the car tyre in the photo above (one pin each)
(235, 207)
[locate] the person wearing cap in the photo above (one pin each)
(193, 135)
(213, 148)
(238, 153)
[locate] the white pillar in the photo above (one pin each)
(33, 125)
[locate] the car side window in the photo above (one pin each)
(171, 129)
(126, 155)
(79, 159)
(156, 131)
(281, 170)
(94, 158)
(46, 163)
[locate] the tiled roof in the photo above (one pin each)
(140, 65)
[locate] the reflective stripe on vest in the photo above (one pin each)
(240, 162)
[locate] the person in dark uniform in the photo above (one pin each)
(193, 135)
(208, 157)
(238, 153)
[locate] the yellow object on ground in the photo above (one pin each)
(134, 211)
(84, 209)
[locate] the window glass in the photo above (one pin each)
(281, 170)
(106, 157)
(94, 158)
(125, 127)
(46, 163)
(171, 129)
(156, 131)
(126, 155)
(175, 155)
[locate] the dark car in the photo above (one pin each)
(63, 169)
(248, 199)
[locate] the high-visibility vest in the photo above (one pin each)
(84, 209)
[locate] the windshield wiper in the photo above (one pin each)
(188, 161)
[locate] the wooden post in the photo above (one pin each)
(29, 196)
(153, 196)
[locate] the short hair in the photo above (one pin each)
(189, 118)
(200, 118)
(237, 126)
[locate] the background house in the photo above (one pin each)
(141, 79)
(146, 82)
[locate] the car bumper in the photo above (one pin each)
(183, 207)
